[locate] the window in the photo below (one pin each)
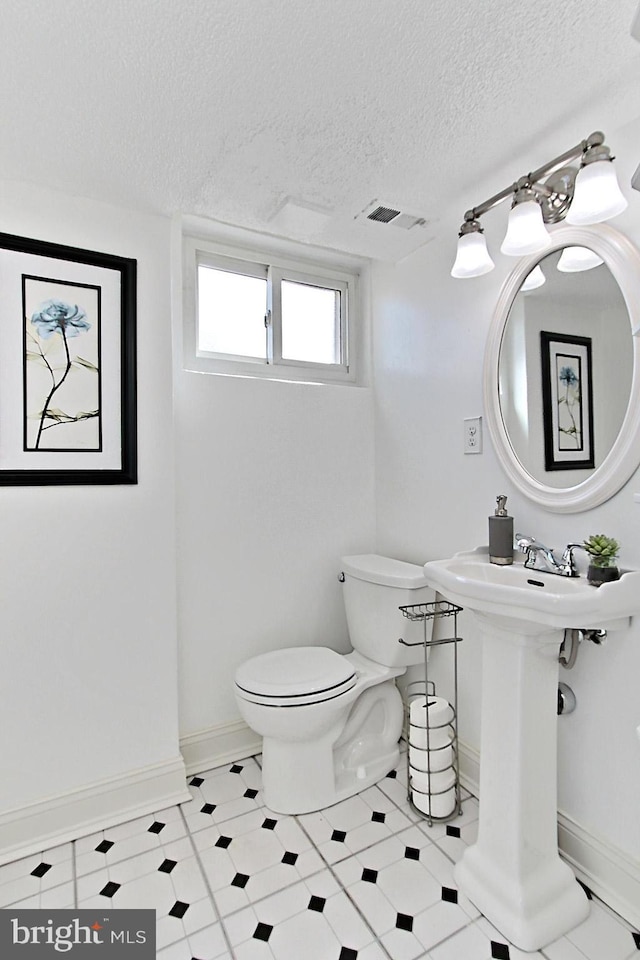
(277, 318)
(231, 312)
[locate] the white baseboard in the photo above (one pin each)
(469, 760)
(613, 876)
(218, 745)
(59, 819)
(55, 820)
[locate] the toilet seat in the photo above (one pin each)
(295, 676)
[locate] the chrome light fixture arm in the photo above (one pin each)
(552, 196)
(533, 180)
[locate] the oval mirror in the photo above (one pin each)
(562, 369)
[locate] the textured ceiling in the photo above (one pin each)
(290, 117)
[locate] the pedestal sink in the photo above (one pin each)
(513, 873)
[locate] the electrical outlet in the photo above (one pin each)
(473, 435)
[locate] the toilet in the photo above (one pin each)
(331, 722)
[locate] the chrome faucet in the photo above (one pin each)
(544, 559)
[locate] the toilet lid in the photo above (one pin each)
(295, 676)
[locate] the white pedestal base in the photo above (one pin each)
(513, 874)
(531, 912)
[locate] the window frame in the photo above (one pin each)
(254, 262)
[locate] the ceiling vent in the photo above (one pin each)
(380, 213)
(383, 214)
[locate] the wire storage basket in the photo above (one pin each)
(431, 725)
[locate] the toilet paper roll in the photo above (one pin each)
(439, 712)
(438, 709)
(434, 759)
(437, 738)
(442, 805)
(437, 783)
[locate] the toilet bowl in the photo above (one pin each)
(331, 722)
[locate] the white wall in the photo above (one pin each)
(432, 500)
(88, 613)
(275, 482)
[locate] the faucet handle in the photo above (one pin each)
(570, 547)
(567, 557)
(524, 543)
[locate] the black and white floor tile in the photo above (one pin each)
(229, 879)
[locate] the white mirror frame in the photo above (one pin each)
(623, 260)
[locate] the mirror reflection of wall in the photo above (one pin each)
(588, 303)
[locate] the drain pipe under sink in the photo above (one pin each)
(567, 657)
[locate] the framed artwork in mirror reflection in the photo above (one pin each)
(67, 365)
(567, 401)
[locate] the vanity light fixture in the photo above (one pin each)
(583, 195)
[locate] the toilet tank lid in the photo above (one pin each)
(384, 570)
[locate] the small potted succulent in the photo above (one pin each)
(603, 552)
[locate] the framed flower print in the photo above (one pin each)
(67, 365)
(567, 401)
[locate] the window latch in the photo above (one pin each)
(267, 318)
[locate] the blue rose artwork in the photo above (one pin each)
(569, 405)
(62, 366)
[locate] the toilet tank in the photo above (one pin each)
(373, 589)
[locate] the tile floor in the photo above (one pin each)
(367, 879)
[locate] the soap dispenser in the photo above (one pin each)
(501, 533)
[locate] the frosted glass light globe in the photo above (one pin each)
(472, 259)
(535, 279)
(576, 259)
(597, 196)
(526, 232)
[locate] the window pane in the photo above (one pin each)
(310, 323)
(231, 309)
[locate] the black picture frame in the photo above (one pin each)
(567, 401)
(67, 365)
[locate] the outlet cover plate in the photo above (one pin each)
(473, 435)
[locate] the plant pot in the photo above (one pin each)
(597, 575)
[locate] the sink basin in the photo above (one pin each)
(514, 591)
(513, 873)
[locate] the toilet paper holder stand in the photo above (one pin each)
(434, 743)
